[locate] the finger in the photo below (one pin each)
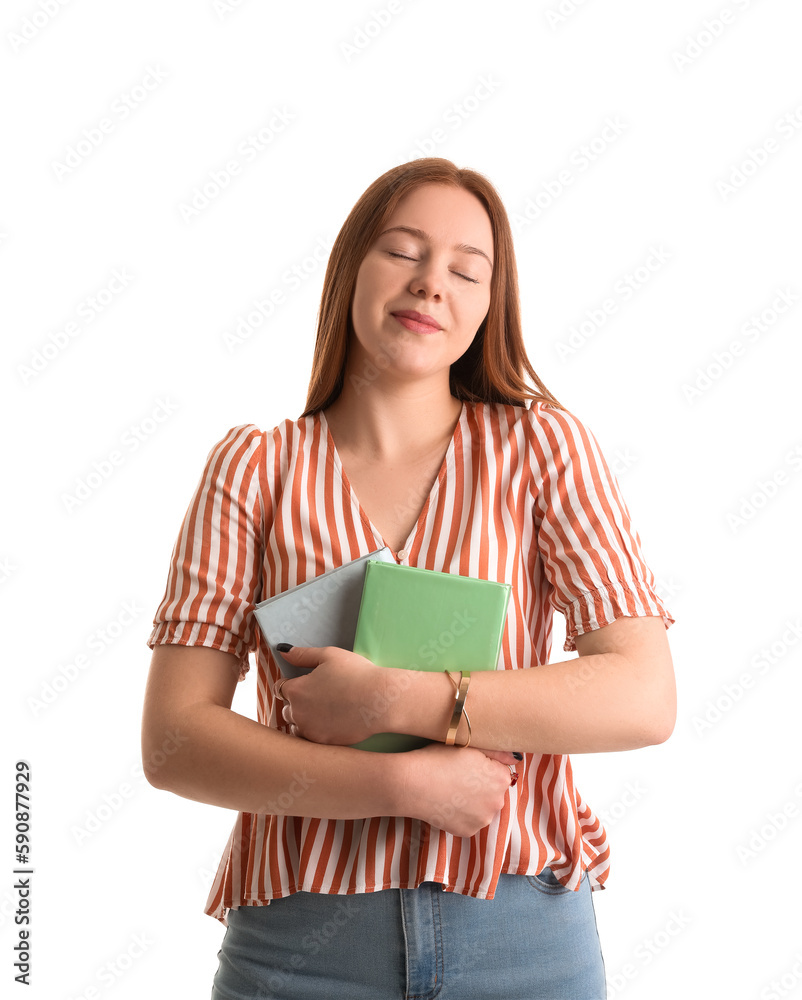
(504, 756)
(301, 656)
(286, 713)
(510, 764)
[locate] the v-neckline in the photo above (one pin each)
(448, 459)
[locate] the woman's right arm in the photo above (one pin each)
(194, 745)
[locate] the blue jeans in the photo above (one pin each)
(535, 940)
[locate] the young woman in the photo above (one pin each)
(451, 871)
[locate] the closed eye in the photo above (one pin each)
(474, 281)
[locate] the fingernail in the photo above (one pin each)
(513, 779)
(282, 647)
(517, 756)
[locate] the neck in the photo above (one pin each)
(393, 425)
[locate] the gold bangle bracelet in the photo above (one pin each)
(461, 693)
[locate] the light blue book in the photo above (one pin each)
(322, 611)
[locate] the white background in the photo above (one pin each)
(701, 900)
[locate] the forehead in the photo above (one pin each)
(446, 214)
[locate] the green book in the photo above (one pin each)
(422, 619)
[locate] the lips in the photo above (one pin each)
(417, 320)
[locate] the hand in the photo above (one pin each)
(342, 700)
(458, 789)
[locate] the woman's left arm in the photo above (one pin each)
(618, 694)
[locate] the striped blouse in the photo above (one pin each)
(523, 496)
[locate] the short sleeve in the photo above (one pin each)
(214, 578)
(590, 550)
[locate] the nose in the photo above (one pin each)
(427, 281)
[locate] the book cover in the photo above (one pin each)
(322, 611)
(421, 619)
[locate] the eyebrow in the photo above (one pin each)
(461, 247)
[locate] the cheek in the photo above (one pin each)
(366, 290)
(358, 303)
(367, 303)
(474, 314)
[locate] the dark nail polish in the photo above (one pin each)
(517, 756)
(514, 779)
(282, 647)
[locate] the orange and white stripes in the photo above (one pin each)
(523, 496)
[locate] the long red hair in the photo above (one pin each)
(493, 367)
